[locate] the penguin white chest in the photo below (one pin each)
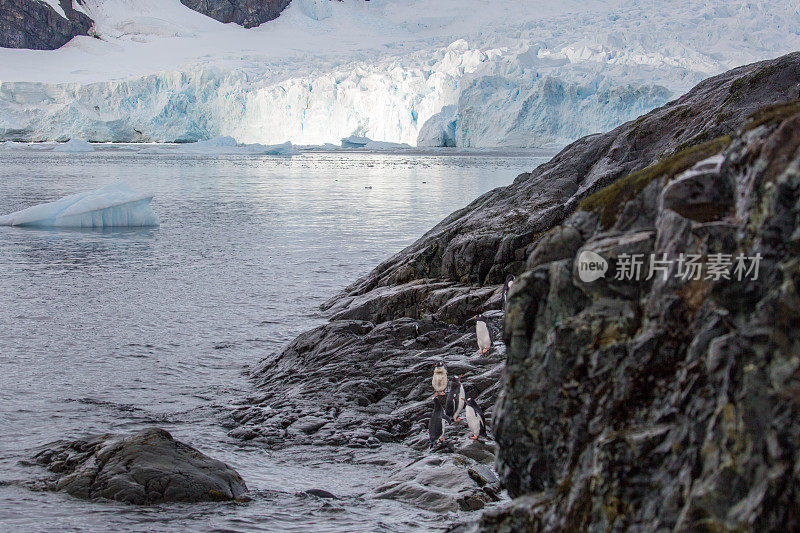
(473, 421)
(461, 401)
(484, 337)
(439, 380)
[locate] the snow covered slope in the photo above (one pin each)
(506, 72)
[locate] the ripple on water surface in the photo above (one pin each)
(115, 330)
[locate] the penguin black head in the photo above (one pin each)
(438, 364)
(510, 278)
(479, 318)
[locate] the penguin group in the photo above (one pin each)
(448, 406)
(455, 401)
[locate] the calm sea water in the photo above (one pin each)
(113, 331)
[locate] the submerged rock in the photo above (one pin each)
(147, 467)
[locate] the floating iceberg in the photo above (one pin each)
(228, 145)
(217, 145)
(111, 206)
(272, 149)
(354, 141)
(74, 145)
(383, 145)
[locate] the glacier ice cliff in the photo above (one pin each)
(109, 207)
(545, 79)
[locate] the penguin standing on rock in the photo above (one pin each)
(475, 419)
(455, 399)
(439, 380)
(507, 288)
(435, 425)
(484, 333)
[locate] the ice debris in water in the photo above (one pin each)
(111, 206)
(74, 145)
(228, 145)
(354, 141)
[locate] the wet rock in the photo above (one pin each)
(480, 451)
(244, 433)
(441, 482)
(307, 424)
(148, 467)
(358, 384)
(36, 25)
(320, 493)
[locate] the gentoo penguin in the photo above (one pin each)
(475, 419)
(435, 425)
(439, 380)
(506, 288)
(485, 337)
(455, 399)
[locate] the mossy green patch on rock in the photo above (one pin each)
(772, 113)
(741, 85)
(611, 199)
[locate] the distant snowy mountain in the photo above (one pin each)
(465, 72)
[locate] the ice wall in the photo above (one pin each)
(534, 82)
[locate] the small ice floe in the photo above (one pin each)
(366, 143)
(74, 145)
(113, 206)
(11, 145)
(228, 145)
(270, 149)
(383, 145)
(354, 141)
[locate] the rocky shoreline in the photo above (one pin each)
(363, 378)
(662, 402)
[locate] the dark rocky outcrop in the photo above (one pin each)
(34, 24)
(147, 467)
(247, 13)
(672, 403)
(644, 405)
